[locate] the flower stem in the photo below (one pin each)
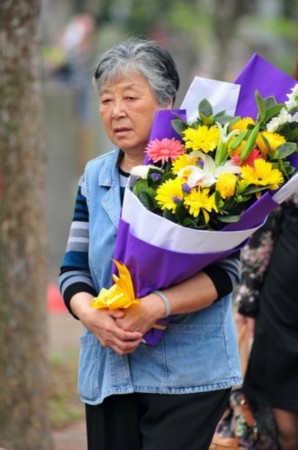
(249, 145)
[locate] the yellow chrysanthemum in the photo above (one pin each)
(183, 161)
(202, 138)
(199, 201)
(169, 194)
(262, 174)
(226, 184)
(274, 140)
(242, 124)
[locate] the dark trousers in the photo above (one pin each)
(155, 422)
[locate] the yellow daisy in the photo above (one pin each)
(199, 201)
(182, 162)
(262, 174)
(226, 184)
(273, 139)
(202, 138)
(169, 194)
(242, 124)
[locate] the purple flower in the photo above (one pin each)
(156, 176)
(176, 199)
(186, 188)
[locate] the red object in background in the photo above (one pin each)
(55, 302)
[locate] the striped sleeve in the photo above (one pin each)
(74, 272)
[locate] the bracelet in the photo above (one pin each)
(166, 301)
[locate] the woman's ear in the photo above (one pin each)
(170, 104)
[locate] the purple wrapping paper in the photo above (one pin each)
(155, 268)
(259, 74)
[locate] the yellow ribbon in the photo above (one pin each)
(120, 295)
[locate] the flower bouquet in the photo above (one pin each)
(206, 185)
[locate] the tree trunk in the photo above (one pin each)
(24, 423)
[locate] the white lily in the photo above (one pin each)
(208, 174)
(142, 171)
(224, 139)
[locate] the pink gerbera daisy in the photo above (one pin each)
(164, 150)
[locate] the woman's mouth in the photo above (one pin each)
(121, 131)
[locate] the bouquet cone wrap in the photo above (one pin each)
(160, 253)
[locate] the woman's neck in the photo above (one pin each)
(128, 162)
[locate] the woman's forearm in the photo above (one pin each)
(191, 295)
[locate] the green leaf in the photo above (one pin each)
(221, 114)
(228, 219)
(181, 213)
(252, 190)
(270, 101)
(167, 214)
(293, 135)
(207, 120)
(224, 119)
(266, 142)
(284, 150)
(179, 125)
(248, 146)
(272, 111)
(205, 108)
(139, 186)
(237, 141)
(261, 106)
(147, 198)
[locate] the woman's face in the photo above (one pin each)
(127, 108)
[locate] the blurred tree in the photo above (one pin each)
(24, 421)
(226, 14)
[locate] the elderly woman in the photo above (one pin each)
(138, 396)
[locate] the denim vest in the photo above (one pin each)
(198, 351)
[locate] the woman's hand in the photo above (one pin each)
(142, 316)
(103, 324)
(250, 321)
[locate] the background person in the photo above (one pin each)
(270, 295)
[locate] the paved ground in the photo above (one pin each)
(64, 332)
(72, 438)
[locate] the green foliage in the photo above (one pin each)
(179, 126)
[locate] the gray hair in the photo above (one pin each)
(146, 58)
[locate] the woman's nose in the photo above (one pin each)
(118, 110)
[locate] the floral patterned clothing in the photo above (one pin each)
(255, 259)
(269, 292)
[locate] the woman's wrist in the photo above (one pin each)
(166, 302)
(80, 303)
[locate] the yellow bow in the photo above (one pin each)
(120, 295)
